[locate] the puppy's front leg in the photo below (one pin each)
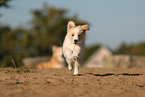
(68, 55)
(76, 53)
(76, 69)
(69, 62)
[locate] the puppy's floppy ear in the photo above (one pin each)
(84, 27)
(70, 25)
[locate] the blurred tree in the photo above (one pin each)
(138, 49)
(123, 49)
(4, 3)
(9, 41)
(134, 49)
(3, 31)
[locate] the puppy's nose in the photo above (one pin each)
(75, 41)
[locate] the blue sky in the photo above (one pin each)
(112, 21)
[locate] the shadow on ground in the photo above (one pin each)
(110, 74)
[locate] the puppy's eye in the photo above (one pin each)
(79, 35)
(72, 35)
(84, 30)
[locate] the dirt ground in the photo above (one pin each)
(61, 83)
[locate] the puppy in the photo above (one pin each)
(56, 61)
(73, 46)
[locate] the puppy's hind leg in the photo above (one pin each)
(76, 69)
(69, 62)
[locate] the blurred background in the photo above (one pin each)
(30, 28)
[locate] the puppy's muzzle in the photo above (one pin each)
(75, 41)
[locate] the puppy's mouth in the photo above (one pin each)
(75, 41)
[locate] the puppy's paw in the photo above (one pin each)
(70, 68)
(75, 58)
(75, 74)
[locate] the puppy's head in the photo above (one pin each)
(76, 33)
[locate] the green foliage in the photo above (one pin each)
(47, 27)
(4, 3)
(134, 49)
(9, 41)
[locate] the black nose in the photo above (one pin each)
(75, 41)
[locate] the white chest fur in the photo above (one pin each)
(69, 49)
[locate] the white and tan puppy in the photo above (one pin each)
(73, 46)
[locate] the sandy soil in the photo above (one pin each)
(61, 83)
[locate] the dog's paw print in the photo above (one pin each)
(75, 58)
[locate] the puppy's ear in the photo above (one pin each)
(84, 27)
(70, 25)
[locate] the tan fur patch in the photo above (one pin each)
(56, 60)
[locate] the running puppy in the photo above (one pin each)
(73, 46)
